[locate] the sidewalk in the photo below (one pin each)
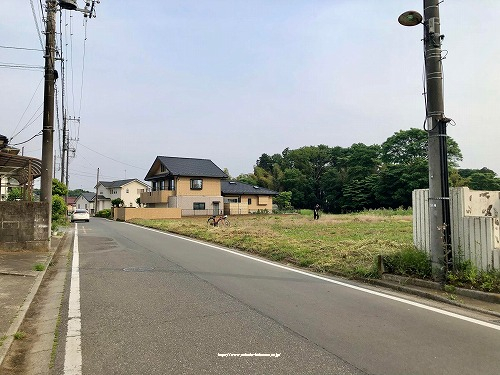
(19, 282)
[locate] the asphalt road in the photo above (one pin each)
(153, 303)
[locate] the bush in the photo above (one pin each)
(409, 262)
(58, 212)
(104, 213)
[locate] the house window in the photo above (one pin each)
(232, 200)
(154, 185)
(196, 184)
(171, 184)
(131, 204)
(162, 168)
(198, 205)
(78, 205)
(85, 206)
(249, 201)
(126, 191)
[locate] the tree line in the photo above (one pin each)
(347, 179)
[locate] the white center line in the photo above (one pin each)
(73, 357)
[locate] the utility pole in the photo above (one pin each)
(96, 192)
(439, 195)
(48, 109)
(436, 122)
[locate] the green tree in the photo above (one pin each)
(77, 192)
(283, 200)
(14, 194)
(117, 202)
(483, 181)
(408, 146)
(58, 188)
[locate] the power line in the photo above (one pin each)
(27, 106)
(22, 48)
(107, 157)
(20, 66)
(36, 23)
(30, 121)
(83, 66)
(20, 143)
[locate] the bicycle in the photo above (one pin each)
(214, 220)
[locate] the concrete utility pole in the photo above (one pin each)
(48, 108)
(96, 193)
(439, 194)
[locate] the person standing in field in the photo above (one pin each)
(316, 212)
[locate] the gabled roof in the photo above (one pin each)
(90, 197)
(119, 183)
(239, 188)
(71, 200)
(188, 167)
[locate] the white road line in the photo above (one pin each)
(73, 357)
(361, 289)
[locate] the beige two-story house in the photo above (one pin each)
(193, 185)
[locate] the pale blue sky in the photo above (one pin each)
(228, 80)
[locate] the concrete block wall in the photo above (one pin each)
(24, 226)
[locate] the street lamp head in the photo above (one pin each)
(410, 18)
(68, 4)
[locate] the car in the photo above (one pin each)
(80, 215)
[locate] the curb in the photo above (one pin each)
(16, 323)
(421, 293)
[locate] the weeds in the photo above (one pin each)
(19, 335)
(409, 262)
(466, 275)
(39, 267)
(2, 339)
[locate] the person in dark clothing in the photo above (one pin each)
(316, 212)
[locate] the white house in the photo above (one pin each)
(127, 190)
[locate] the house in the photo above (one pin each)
(71, 204)
(86, 200)
(193, 185)
(127, 190)
(240, 198)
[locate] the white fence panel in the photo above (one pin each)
(474, 238)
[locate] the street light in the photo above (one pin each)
(439, 194)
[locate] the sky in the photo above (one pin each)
(229, 80)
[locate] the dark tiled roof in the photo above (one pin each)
(239, 188)
(119, 183)
(187, 167)
(88, 196)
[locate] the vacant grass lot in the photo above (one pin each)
(340, 244)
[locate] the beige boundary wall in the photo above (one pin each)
(475, 225)
(127, 213)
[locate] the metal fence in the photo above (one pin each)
(473, 237)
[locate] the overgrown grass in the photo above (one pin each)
(409, 262)
(340, 244)
(2, 339)
(466, 275)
